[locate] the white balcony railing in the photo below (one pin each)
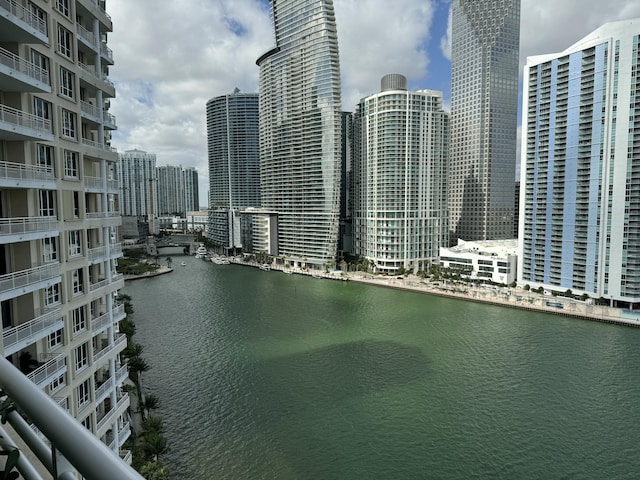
(91, 70)
(86, 35)
(100, 323)
(19, 171)
(28, 277)
(22, 13)
(101, 252)
(109, 417)
(98, 145)
(19, 118)
(18, 64)
(53, 366)
(32, 330)
(106, 51)
(118, 313)
(24, 225)
(121, 374)
(122, 339)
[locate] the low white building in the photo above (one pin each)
(493, 260)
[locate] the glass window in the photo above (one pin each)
(57, 384)
(39, 60)
(70, 164)
(49, 250)
(52, 295)
(65, 42)
(54, 340)
(66, 83)
(41, 108)
(63, 7)
(82, 356)
(77, 284)
(47, 203)
(83, 393)
(68, 124)
(44, 155)
(79, 320)
(75, 243)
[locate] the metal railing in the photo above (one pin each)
(20, 12)
(109, 348)
(86, 35)
(19, 171)
(111, 414)
(100, 323)
(28, 277)
(18, 64)
(98, 145)
(74, 448)
(42, 373)
(22, 119)
(22, 225)
(32, 329)
(106, 51)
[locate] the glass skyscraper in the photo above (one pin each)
(484, 107)
(300, 128)
(580, 168)
(399, 177)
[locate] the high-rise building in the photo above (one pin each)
(300, 128)
(137, 180)
(484, 107)
(234, 165)
(399, 177)
(191, 189)
(58, 279)
(580, 174)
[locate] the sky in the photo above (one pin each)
(172, 57)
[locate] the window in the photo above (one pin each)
(39, 60)
(67, 83)
(86, 423)
(70, 163)
(81, 354)
(52, 295)
(65, 42)
(41, 108)
(47, 203)
(77, 284)
(63, 7)
(83, 394)
(79, 320)
(54, 340)
(49, 250)
(68, 124)
(76, 204)
(75, 243)
(57, 384)
(44, 155)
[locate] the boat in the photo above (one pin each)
(288, 272)
(201, 251)
(184, 264)
(265, 267)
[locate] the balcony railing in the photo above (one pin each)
(100, 323)
(98, 145)
(102, 214)
(24, 225)
(96, 183)
(122, 339)
(31, 19)
(19, 171)
(106, 51)
(91, 70)
(111, 414)
(18, 118)
(68, 438)
(42, 374)
(101, 252)
(18, 64)
(14, 338)
(24, 278)
(96, 9)
(118, 313)
(86, 35)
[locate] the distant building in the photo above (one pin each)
(300, 127)
(138, 186)
(484, 107)
(191, 189)
(234, 165)
(580, 169)
(495, 261)
(399, 177)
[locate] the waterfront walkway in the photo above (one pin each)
(503, 296)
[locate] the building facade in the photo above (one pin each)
(580, 167)
(300, 128)
(138, 183)
(234, 164)
(191, 189)
(490, 261)
(400, 217)
(484, 106)
(58, 253)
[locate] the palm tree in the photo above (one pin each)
(169, 261)
(154, 471)
(150, 402)
(132, 350)
(154, 444)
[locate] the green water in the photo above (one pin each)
(269, 376)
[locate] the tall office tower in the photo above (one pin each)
(580, 174)
(399, 177)
(191, 190)
(484, 107)
(137, 180)
(300, 123)
(171, 190)
(58, 280)
(345, 235)
(234, 165)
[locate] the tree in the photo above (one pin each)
(154, 471)
(154, 444)
(169, 260)
(150, 402)
(132, 350)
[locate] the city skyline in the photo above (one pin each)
(161, 108)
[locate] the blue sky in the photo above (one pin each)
(171, 57)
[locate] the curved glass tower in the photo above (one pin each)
(300, 125)
(484, 109)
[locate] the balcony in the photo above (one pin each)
(99, 150)
(29, 280)
(18, 24)
(18, 175)
(106, 53)
(93, 7)
(66, 437)
(18, 125)
(92, 114)
(23, 229)
(19, 337)
(103, 390)
(100, 323)
(86, 37)
(18, 75)
(89, 75)
(118, 313)
(95, 185)
(103, 219)
(112, 415)
(99, 254)
(50, 370)
(117, 346)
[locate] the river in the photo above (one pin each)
(262, 375)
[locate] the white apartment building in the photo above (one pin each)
(491, 260)
(580, 167)
(58, 222)
(398, 178)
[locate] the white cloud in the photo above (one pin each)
(445, 41)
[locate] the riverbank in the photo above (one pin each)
(160, 271)
(506, 297)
